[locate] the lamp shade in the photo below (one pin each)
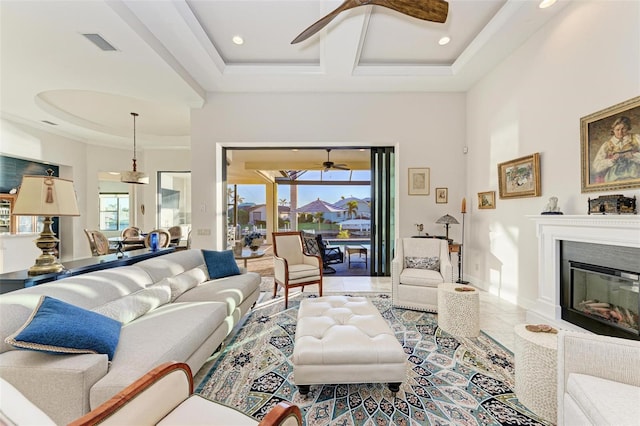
(134, 176)
(46, 196)
(447, 219)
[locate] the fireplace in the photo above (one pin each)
(596, 293)
(603, 254)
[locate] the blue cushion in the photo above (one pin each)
(59, 327)
(220, 264)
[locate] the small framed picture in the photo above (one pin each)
(520, 177)
(419, 181)
(442, 195)
(487, 200)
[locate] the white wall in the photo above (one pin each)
(585, 60)
(20, 141)
(428, 130)
(81, 163)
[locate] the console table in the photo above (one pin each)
(19, 279)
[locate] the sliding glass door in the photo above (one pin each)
(382, 211)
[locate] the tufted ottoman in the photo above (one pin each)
(344, 339)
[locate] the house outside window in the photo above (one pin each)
(114, 211)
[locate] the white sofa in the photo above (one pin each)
(186, 325)
(417, 287)
(598, 380)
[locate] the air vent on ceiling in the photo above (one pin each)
(99, 41)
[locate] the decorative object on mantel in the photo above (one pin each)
(520, 177)
(541, 328)
(46, 196)
(420, 228)
(613, 204)
(552, 206)
(610, 148)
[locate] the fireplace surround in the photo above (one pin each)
(612, 232)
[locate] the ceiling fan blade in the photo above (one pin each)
(428, 10)
(341, 166)
(324, 21)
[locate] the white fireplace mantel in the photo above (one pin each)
(617, 230)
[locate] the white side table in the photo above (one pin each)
(459, 311)
(536, 371)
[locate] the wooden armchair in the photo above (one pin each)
(292, 266)
(165, 396)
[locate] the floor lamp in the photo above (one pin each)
(461, 280)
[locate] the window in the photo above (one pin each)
(114, 211)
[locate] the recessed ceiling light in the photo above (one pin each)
(444, 40)
(237, 40)
(294, 149)
(546, 3)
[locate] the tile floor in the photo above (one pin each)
(497, 317)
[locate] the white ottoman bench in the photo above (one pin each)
(344, 339)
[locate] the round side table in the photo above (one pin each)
(536, 371)
(458, 311)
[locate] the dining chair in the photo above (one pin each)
(175, 233)
(292, 266)
(164, 238)
(132, 231)
(98, 242)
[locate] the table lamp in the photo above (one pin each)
(46, 196)
(447, 220)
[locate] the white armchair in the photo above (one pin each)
(598, 380)
(164, 396)
(292, 266)
(419, 265)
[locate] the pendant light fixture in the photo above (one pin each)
(134, 176)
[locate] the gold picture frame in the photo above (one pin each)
(520, 177)
(419, 181)
(609, 146)
(487, 200)
(442, 195)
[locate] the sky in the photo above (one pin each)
(256, 193)
(307, 193)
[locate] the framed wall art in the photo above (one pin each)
(487, 200)
(520, 177)
(442, 195)
(610, 148)
(418, 181)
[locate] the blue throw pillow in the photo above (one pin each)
(59, 327)
(220, 264)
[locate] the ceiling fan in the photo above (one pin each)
(331, 165)
(428, 10)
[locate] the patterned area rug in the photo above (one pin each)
(461, 381)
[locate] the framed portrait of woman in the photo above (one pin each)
(610, 147)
